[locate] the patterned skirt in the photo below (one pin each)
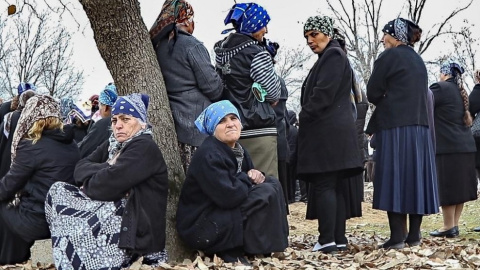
(85, 233)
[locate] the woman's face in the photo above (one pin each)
(389, 41)
(316, 40)
(260, 34)
(125, 126)
(228, 130)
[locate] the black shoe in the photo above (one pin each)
(390, 245)
(476, 229)
(451, 233)
(342, 247)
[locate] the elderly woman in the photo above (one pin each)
(118, 214)
(190, 78)
(455, 147)
(405, 175)
(226, 206)
(327, 140)
(42, 154)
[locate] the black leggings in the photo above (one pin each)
(330, 207)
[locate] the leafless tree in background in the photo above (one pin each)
(37, 50)
(292, 64)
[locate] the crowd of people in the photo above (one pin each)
(90, 177)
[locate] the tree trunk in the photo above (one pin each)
(124, 43)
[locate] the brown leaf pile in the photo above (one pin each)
(362, 254)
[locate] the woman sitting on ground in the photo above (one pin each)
(118, 214)
(226, 206)
(43, 152)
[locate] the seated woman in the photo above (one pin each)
(119, 212)
(43, 152)
(226, 206)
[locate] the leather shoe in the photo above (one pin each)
(453, 232)
(390, 245)
(476, 229)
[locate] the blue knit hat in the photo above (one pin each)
(109, 95)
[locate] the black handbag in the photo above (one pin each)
(256, 114)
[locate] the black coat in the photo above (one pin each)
(452, 136)
(398, 88)
(35, 168)
(4, 109)
(6, 144)
(140, 171)
(208, 214)
(474, 107)
(327, 139)
(99, 132)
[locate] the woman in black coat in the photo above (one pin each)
(405, 178)
(455, 147)
(226, 206)
(327, 141)
(43, 153)
(119, 213)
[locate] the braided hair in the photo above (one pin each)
(458, 79)
(477, 76)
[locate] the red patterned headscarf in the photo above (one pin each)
(173, 12)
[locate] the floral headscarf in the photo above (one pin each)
(323, 24)
(37, 107)
(173, 12)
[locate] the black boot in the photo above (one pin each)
(414, 236)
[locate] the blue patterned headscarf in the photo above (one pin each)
(22, 87)
(109, 95)
(248, 18)
(452, 68)
(398, 29)
(135, 105)
(208, 120)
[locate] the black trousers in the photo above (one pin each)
(326, 203)
(13, 248)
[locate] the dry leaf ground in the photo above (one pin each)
(364, 234)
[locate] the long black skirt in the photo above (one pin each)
(265, 219)
(352, 189)
(457, 181)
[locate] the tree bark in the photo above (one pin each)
(124, 43)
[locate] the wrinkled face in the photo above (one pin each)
(228, 130)
(260, 34)
(125, 126)
(316, 40)
(389, 41)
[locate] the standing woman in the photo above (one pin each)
(327, 134)
(474, 108)
(455, 147)
(405, 178)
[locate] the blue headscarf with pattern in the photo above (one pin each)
(398, 29)
(452, 68)
(208, 120)
(248, 18)
(109, 95)
(135, 105)
(22, 87)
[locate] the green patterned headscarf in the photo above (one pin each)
(323, 24)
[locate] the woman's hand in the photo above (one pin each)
(256, 176)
